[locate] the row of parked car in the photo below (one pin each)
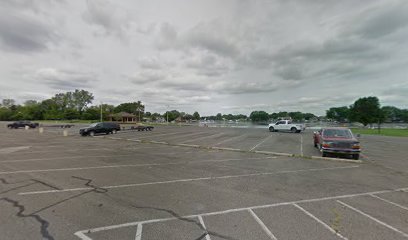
(91, 130)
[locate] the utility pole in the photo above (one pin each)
(167, 113)
(101, 113)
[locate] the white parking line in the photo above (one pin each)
(230, 139)
(130, 165)
(204, 137)
(81, 234)
(373, 218)
(139, 232)
(189, 135)
(70, 157)
(262, 224)
(260, 143)
(390, 202)
(200, 218)
(187, 180)
(319, 221)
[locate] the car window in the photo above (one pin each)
(337, 133)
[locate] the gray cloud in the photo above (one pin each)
(23, 32)
(167, 37)
(150, 63)
(204, 36)
(65, 79)
(245, 87)
(382, 20)
(106, 15)
(252, 54)
(147, 77)
(208, 65)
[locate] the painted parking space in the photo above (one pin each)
(111, 187)
(321, 218)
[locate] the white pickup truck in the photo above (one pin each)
(286, 125)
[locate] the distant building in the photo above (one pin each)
(123, 117)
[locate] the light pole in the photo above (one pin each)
(101, 113)
(167, 114)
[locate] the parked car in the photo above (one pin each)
(100, 127)
(20, 124)
(339, 141)
(286, 125)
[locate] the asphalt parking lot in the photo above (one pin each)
(191, 183)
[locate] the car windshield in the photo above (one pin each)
(337, 133)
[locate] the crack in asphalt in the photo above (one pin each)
(104, 191)
(32, 182)
(44, 223)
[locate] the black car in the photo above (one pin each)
(20, 124)
(100, 127)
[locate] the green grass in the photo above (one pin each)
(393, 132)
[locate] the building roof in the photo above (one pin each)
(122, 114)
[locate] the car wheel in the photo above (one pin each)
(294, 130)
(271, 129)
(324, 154)
(356, 156)
(92, 133)
(114, 132)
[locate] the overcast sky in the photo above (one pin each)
(207, 55)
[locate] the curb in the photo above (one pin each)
(275, 153)
(227, 149)
(335, 159)
(186, 145)
(240, 150)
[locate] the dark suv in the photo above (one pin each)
(20, 124)
(100, 127)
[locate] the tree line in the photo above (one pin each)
(77, 105)
(367, 110)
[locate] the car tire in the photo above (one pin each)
(315, 145)
(91, 133)
(356, 156)
(294, 130)
(271, 129)
(324, 154)
(114, 132)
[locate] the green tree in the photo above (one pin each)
(296, 116)
(218, 116)
(308, 116)
(172, 115)
(81, 99)
(366, 110)
(196, 116)
(92, 113)
(259, 116)
(340, 114)
(5, 114)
